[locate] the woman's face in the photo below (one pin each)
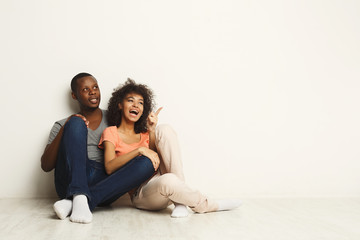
(132, 107)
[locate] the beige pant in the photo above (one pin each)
(168, 186)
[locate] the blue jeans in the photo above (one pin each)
(76, 174)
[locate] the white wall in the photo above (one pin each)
(264, 94)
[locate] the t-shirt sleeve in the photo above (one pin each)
(107, 135)
(54, 131)
(147, 139)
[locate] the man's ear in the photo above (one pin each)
(73, 95)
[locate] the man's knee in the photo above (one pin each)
(75, 124)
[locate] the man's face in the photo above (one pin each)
(87, 92)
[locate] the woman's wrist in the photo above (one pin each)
(141, 150)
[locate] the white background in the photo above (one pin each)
(264, 95)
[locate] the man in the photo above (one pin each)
(80, 179)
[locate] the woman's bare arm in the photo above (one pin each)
(113, 163)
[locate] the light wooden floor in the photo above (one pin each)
(262, 219)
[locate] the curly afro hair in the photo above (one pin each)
(130, 86)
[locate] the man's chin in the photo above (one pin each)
(92, 107)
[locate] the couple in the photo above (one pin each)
(100, 155)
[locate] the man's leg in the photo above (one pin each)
(71, 165)
(70, 172)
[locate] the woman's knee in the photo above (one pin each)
(143, 165)
(168, 182)
(164, 130)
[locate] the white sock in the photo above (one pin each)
(228, 204)
(63, 208)
(80, 210)
(179, 211)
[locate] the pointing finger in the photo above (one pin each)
(158, 111)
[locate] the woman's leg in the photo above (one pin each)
(161, 190)
(130, 176)
(170, 155)
(149, 197)
(169, 151)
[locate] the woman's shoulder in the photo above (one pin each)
(110, 130)
(145, 137)
(145, 134)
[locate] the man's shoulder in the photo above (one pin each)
(61, 122)
(104, 117)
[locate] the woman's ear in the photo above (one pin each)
(119, 106)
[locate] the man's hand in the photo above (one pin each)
(80, 116)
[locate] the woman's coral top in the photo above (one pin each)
(110, 134)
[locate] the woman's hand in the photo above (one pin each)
(152, 120)
(152, 155)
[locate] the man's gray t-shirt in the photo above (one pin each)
(94, 152)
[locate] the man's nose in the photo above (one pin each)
(92, 91)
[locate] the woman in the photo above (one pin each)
(133, 133)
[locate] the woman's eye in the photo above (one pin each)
(141, 103)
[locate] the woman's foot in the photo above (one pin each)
(228, 204)
(179, 211)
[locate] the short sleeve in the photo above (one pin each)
(55, 130)
(108, 135)
(146, 140)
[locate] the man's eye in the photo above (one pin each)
(85, 89)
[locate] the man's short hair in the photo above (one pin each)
(77, 77)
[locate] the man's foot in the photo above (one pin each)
(63, 208)
(179, 211)
(80, 210)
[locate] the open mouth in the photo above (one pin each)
(134, 112)
(93, 100)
